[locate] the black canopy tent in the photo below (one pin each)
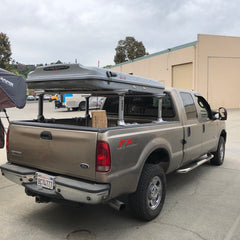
(12, 90)
(12, 94)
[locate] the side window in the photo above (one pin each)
(189, 105)
(203, 108)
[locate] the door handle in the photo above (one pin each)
(46, 135)
(189, 131)
(203, 128)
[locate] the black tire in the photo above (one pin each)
(148, 200)
(82, 106)
(219, 155)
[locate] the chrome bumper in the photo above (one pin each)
(64, 188)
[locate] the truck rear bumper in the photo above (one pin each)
(64, 188)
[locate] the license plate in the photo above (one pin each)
(45, 180)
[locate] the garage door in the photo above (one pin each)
(182, 76)
(224, 82)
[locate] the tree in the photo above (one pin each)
(108, 66)
(5, 50)
(129, 49)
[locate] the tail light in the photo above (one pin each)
(7, 141)
(103, 157)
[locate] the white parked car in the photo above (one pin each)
(30, 98)
(47, 97)
(78, 101)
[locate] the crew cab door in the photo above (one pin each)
(192, 129)
(209, 126)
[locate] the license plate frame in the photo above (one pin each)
(45, 180)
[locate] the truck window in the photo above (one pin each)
(203, 108)
(189, 105)
(141, 106)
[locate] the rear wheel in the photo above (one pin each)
(219, 155)
(82, 106)
(149, 198)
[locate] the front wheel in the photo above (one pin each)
(148, 200)
(82, 106)
(220, 153)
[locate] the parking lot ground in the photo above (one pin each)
(203, 204)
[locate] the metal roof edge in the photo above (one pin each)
(157, 53)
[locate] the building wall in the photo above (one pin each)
(223, 82)
(217, 70)
(159, 66)
(213, 61)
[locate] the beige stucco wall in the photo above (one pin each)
(159, 67)
(215, 68)
(223, 82)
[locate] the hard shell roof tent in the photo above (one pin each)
(63, 78)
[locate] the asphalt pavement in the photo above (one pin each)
(203, 204)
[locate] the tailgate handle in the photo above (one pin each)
(46, 135)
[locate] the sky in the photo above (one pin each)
(45, 31)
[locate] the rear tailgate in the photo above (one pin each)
(57, 150)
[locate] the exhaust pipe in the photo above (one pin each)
(117, 205)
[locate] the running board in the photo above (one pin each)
(194, 165)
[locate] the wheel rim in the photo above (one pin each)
(82, 106)
(221, 152)
(154, 193)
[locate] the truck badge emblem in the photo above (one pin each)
(125, 142)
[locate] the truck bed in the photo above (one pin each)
(62, 145)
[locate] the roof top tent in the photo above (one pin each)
(75, 78)
(12, 94)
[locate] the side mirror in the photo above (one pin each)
(215, 115)
(222, 113)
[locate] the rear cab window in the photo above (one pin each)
(139, 107)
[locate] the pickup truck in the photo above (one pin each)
(147, 136)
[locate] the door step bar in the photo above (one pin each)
(194, 165)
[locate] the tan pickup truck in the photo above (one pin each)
(150, 131)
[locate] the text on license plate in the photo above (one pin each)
(45, 181)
